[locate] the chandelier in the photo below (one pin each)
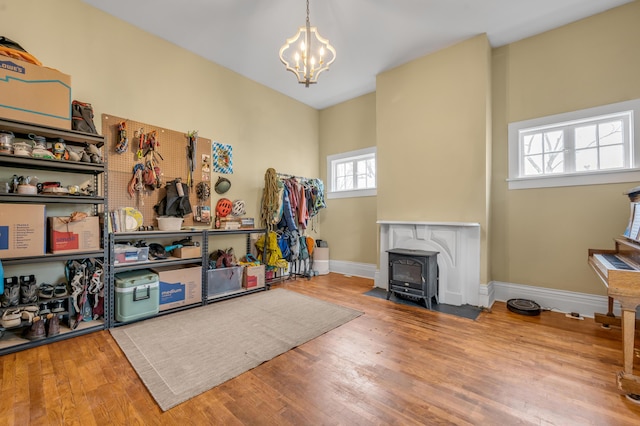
(307, 54)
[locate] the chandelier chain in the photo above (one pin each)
(307, 12)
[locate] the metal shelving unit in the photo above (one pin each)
(204, 234)
(99, 174)
(171, 261)
(230, 295)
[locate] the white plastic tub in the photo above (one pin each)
(169, 223)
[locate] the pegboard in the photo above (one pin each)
(172, 149)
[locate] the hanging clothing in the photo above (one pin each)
(288, 217)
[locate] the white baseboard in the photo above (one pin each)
(364, 270)
(555, 300)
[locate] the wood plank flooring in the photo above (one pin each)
(395, 364)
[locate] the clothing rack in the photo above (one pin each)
(288, 176)
(299, 267)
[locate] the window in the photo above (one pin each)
(352, 174)
(584, 147)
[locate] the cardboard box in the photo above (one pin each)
(253, 277)
(179, 286)
(37, 95)
(83, 235)
(187, 252)
(22, 230)
(247, 223)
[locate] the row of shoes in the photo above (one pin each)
(24, 290)
(14, 317)
(52, 306)
(39, 330)
(50, 291)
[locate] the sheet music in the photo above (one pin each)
(635, 223)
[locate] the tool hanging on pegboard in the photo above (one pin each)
(123, 141)
(203, 211)
(152, 175)
(191, 155)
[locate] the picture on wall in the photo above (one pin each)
(222, 158)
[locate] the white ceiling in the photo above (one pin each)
(370, 36)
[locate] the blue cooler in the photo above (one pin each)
(137, 295)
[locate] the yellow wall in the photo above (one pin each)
(127, 72)
(540, 237)
(428, 117)
(434, 138)
(349, 225)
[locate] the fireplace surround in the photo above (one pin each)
(458, 245)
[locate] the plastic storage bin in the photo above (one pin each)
(224, 280)
(124, 253)
(321, 260)
(137, 295)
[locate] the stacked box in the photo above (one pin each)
(247, 223)
(22, 230)
(179, 286)
(186, 252)
(253, 277)
(34, 94)
(81, 235)
(229, 223)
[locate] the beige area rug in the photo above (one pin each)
(181, 355)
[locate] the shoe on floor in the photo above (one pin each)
(11, 295)
(11, 318)
(44, 308)
(53, 326)
(29, 312)
(45, 291)
(60, 290)
(28, 289)
(59, 306)
(36, 331)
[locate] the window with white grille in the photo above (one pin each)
(579, 148)
(352, 174)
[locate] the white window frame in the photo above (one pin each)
(336, 158)
(630, 173)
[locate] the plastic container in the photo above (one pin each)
(321, 260)
(128, 254)
(22, 149)
(169, 223)
(28, 189)
(224, 280)
(6, 142)
(137, 295)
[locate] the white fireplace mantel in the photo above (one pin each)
(458, 247)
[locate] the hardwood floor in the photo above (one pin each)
(395, 364)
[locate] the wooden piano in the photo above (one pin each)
(619, 269)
